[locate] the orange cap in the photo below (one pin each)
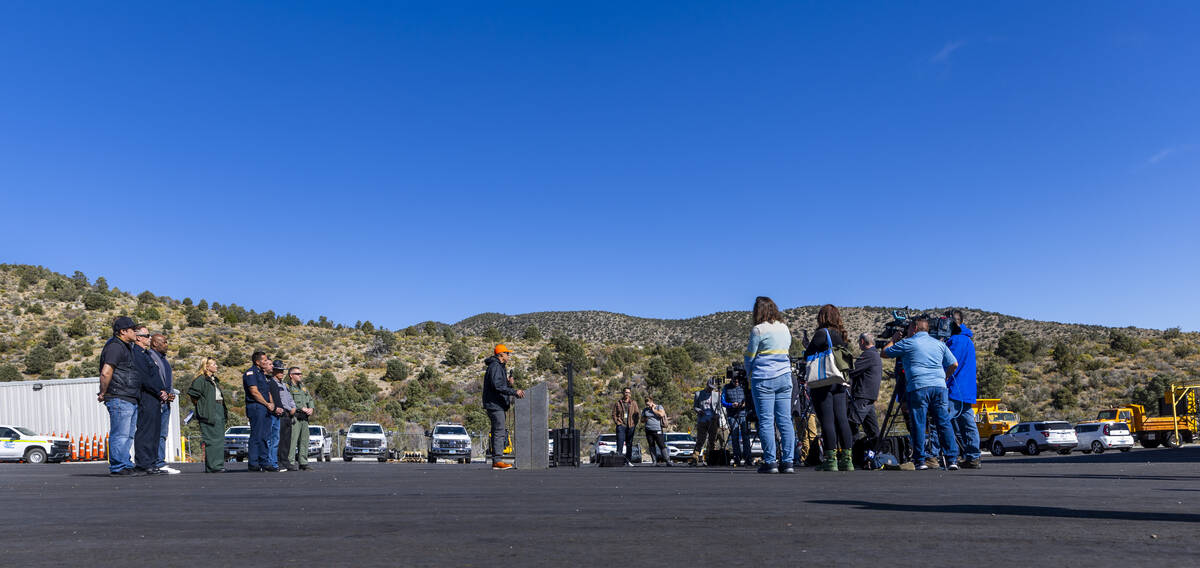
(502, 349)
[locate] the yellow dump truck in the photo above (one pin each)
(1177, 423)
(992, 420)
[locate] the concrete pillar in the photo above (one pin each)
(531, 444)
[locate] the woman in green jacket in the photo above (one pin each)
(211, 413)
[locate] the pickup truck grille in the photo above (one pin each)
(451, 444)
(360, 443)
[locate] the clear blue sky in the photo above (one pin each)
(401, 162)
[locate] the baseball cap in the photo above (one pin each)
(123, 322)
(501, 348)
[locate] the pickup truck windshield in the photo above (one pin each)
(453, 430)
(680, 438)
(238, 431)
(26, 431)
(314, 430)
(366, 429)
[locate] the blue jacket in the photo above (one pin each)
(962, 385)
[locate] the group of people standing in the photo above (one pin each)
(278, 408)
(136, 386)
(936, 388)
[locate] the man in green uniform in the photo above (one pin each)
(212, 415)
(304, 411)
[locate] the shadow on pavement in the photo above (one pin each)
(1130, 477)
(1019, 510)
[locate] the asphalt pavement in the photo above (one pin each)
(1080, 510)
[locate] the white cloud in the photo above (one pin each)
(943, 56)
(1160, 156)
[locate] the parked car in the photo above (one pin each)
(18, 443)
(449, 441)
(681, 445)
(366, 439)
(1095, 437)
(1033, 437)
(320, 443)
(607, 444)
(237, 442)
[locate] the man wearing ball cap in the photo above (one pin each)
(496, 390)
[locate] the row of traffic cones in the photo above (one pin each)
(88, 448)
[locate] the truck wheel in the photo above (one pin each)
(1126, 449)
(328, 457)
(997, 449)
(382, 459)
(1097, 447)
(35, 455)
(348, 458)
(432, 459)
(1149, 444)
(1031, 448)
(1172, 440)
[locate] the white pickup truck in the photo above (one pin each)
(366, 439)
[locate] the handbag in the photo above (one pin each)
(822, 369)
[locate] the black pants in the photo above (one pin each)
(831, 406)
(658, 446)
(286, 453)
(706, 436)
(145, 439)
(862, 417)
(499, 433)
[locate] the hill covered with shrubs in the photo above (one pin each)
(53, 325)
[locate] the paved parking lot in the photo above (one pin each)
(1129, 508)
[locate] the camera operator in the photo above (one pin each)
(962, 390)
(655, 419)
(927, 363)
(735, 398)
(705, 403)
(864, 389)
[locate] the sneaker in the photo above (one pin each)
(501, 466)
(122, 473)
(170, 470)
(952, 466)
(921, 467)
(786, 467)
(282, 469)
(768, 468)
(970, 464)
(271, 469)
(933, 462)
(305, 468)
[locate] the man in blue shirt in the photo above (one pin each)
(158, 352)
(962, 390)
(259, 409)
(927, 363)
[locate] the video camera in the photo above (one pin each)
(939, 327)
(736, 370)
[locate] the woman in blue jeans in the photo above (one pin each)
(770, 372)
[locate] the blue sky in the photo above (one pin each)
(402, 162)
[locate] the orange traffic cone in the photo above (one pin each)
(94, 447)
(104, 448)
(89, 448)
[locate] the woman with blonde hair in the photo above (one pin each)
(770, 373)
(206, 396)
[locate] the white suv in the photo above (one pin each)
(366, 439)
(1096, 437)
(1033, 437)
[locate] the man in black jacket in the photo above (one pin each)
(864, 389)
(497, 387)
(150, 399)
